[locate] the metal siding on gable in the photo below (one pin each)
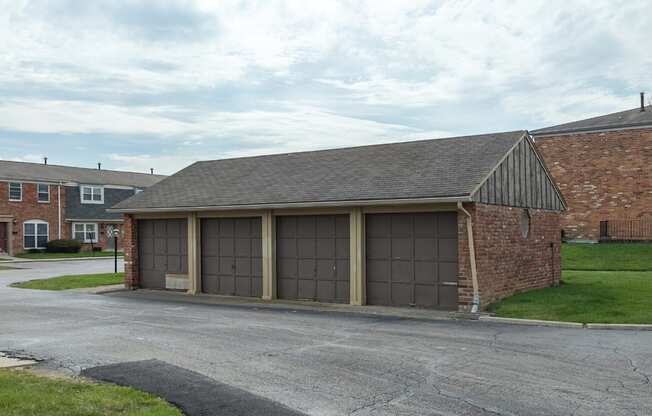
(520, 181)
(162, 248)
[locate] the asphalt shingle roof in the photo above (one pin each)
(24, 171)
(622, 119)
(419, 169)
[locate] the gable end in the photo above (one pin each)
(521, 180)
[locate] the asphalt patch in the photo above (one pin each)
(193, 393)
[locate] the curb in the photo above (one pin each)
(627, 327)
(531, 322)
(62, 259)
(561, 324)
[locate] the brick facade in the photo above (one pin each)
(131, 251)
(30, 209)
(507, 263)
(602, 175)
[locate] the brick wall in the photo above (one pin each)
(130, 246)
(603, 176)
(507, 263)
(30, 209)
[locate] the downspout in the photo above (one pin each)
(59, 209)
(474, 271)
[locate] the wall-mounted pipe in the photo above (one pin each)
(475, 307)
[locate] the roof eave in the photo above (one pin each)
(367, 202)
(559, 132)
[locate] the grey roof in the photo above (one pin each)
(623, 119)
(77, 211)
(54, 173)
(451, 167)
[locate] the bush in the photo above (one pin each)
(35, 251)
(63, 246)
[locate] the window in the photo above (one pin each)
(15, 191)
(35, 234)
(43, 192)
(85, 232)
(92, 195)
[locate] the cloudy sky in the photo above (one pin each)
(140, 84)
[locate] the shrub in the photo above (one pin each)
(64, 246)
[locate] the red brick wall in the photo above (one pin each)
(131, 251)
(30, 209)
(507, 263)
(603, 176)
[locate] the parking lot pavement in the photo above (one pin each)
(337, 364)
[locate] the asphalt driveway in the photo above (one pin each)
(336, 364)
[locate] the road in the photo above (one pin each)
(336, 364)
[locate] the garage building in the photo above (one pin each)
(452, 224)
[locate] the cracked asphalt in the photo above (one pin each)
(336, 364)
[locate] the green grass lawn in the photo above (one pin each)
(73, 282)
(26, 394)
(607, 256)
(41, 256)
(587, 297)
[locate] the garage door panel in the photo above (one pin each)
(447, 272)
(256, 247)
(448, 297)
(342, 270)
(243, 267)
(286, 248)
(286, 268)
(307, 289)
(447, 250)
(342, 248)
(426, 295)
(325, 248)
(408, 255)
(402, 226)
(378, 270)
(306, 268)
(162, 248)
(326, 268)
(425, 272)
(425, 248)
(402, 271)
(305, 226)
(378, 293)
(326, 289)
(425, 225)
(287, 288)
(324, 226)
(447, 223)
(401, 248)
(401, 294)
(226, 246)
(231, 249)
(378, 225)
(243, 247)
(209, 265)
(318, 247)
(306, 248)
(378, 248)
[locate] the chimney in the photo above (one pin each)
(151, 171)
(99, 166)
(642, 101)
(45, 160)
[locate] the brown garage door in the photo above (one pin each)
(412, 259)
(231, 253)
(313, 257)
(162, 248)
